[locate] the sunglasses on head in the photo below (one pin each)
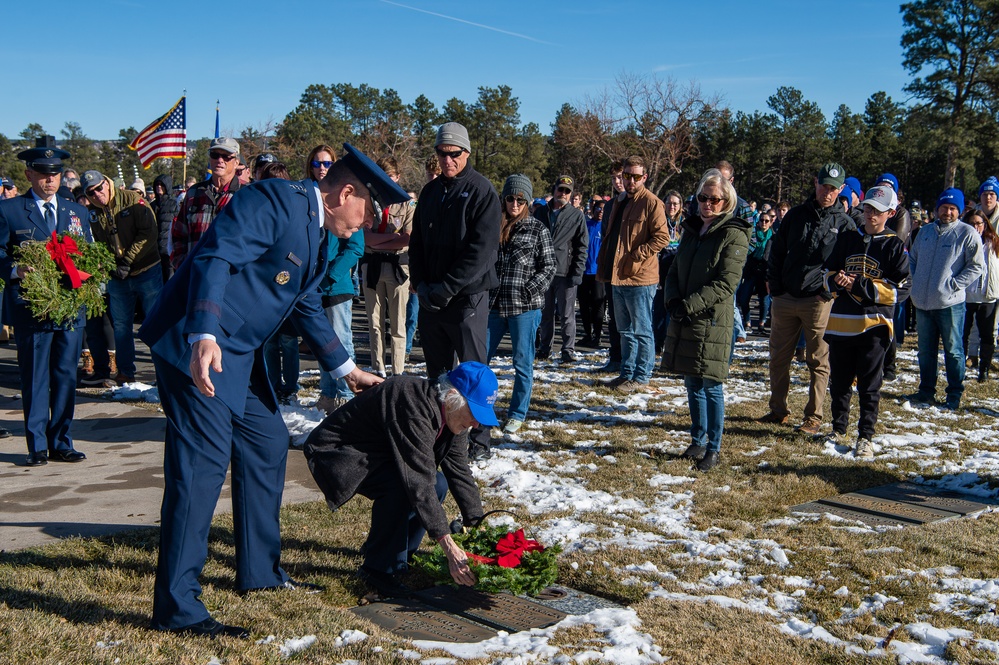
(96, 188)
(510, 198)
(713, 200)
(452, 154)
(225, 156)
(325, 164)
(632, 176)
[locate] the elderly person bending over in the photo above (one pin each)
(700, 298)
(387, 444)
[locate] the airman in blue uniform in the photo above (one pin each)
(47, 353)
(260, 263)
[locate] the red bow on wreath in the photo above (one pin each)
(511, 547)
(61, 252)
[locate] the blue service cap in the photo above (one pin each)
(43, 160)
(382, 188)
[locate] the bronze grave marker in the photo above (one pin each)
(502, 611)
(418, 621)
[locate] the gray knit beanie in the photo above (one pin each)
(453, 133)
(520, 184)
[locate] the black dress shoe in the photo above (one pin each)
(211, 629)
(709, 462)
(67, 456)
(4, 433)
(385, 584)
(37, 459)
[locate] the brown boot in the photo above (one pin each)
(88, 363)
(114, 365)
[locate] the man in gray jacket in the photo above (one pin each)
(945, 258)
(570, 239)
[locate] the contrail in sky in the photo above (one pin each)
(461, 20)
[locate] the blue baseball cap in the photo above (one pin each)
(954, 197)
(478, 385)
(889, 178)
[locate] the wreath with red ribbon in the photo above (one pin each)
(502, 560)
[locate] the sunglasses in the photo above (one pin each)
(221, 155)
(632, 176)
(713, 200)
(241, 170)
(93, 190)
(452, 154)
(510, 198)
(563, 190)
(324, 164)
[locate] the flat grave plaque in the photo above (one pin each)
(418, 621)
(502, 611)
(919, 495)
(901, 504)
(846, 513)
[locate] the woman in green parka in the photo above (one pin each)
(700, 298)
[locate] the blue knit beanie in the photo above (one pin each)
(953, 196)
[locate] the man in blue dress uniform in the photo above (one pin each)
(47, 354)
(260, 263)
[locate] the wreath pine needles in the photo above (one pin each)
(47, 290)
(537, 570)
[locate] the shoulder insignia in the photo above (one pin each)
(297, 186)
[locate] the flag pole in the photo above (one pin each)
(184, 176)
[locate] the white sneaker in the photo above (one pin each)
(864, 449)
(512, 426)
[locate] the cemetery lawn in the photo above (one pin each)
(714, 566)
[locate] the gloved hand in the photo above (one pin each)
(432, 296)
(121, 272)
(676, 309)
(577, 280)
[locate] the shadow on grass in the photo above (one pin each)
(78, 612)
(845, 478)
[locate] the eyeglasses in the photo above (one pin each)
(451, 154)
(563, 190)
(240, 170)
(632, 176)
(713, 200)
(96, 188)
(225, 156)
(510, 198)
(324, 164)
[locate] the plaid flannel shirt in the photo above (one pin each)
(200, 206)
(525, 267)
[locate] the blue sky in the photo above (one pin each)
(258, 57)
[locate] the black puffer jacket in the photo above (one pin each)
(166, 208)
(803, 244)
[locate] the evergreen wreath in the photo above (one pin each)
(48, 289)
(502, 560)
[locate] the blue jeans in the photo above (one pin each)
(932, 326)
(144, 287)
(706, 398)
(633, 313)
(522, 329)
(282, 362)
(340, 318)
(412, 316)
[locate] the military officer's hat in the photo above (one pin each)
(44, 157)
(382, 188)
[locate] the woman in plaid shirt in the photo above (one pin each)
(525, 267)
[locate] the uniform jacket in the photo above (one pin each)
(200, 206)
(452, 250)
(986, 287)
(944, 260)
(570, 240)
(21, 220)
(641, 235)
(525, 268)
(128, 228)
(395, 427)
(257, 265)
(880, 267)
(801, 247)
(702, 281)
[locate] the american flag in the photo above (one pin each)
(165, 137)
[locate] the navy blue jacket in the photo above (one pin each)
(21, 220)
(257, 265)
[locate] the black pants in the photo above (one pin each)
(983, 314)
(861, 358)
(592, 307)
(457, 333)
(613, 336)
(560, 303)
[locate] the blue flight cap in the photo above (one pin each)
(382, 188)
(44, 157)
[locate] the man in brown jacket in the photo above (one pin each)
(629, 262)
